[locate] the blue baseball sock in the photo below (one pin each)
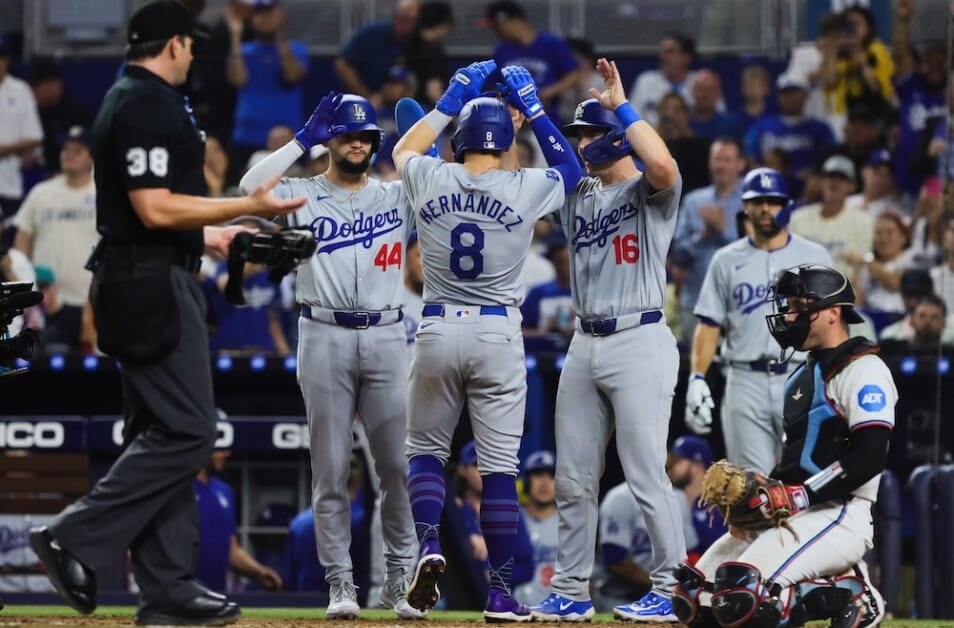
(425, 487)
(499, 517)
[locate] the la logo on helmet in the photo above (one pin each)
(579, 112)
(765, 181)
(359, 114)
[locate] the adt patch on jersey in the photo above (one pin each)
(871, 398)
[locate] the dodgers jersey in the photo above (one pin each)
(734, 293)
(359, 262)
(619, 238)
(545, 542)
(621, 523)
(475, 229)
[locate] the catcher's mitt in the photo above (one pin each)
(749, 500)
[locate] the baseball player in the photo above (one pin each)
(689, 457)
(732, 298)
(540, 515)
(621, 367)
(839, 415)
(626, 553)
(352, 350)
(475, 224)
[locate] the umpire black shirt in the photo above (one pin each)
(145, 137)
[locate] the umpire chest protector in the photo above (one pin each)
(816, 435)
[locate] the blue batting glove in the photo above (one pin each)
(318, 128)
(522, 90)
(464, 86)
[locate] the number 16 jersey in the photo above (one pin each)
(475, 229)
(619, 237)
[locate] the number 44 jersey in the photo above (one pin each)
(475, 229)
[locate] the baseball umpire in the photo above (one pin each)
(150, 315)
(732, 298)
(839, 416)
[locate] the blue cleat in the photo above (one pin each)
(559, 608)
(651, 607)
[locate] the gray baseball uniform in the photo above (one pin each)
(544, 538)
(622, 524)
(620, 373)
(352, 356)
(733, 296)
(474, 232)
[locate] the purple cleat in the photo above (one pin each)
(423, 593)
(502, 608)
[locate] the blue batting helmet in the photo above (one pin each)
(590, 114)
(768, 183)
(542, 460)
(355, 113)
(483, 124)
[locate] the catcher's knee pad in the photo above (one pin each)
(742, 599)
(824, 599)
(690, 582)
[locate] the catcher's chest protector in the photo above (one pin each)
(815, 434)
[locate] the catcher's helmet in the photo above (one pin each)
(355, 113)
(542, 460)
(590, 114)
(822, 285)
(768, 183)
(483, 124)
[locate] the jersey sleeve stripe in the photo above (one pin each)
(872, 423)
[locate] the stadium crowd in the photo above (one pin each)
(857, 128)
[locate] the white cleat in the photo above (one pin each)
(343, 602)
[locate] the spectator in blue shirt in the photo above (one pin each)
(800, 138)
(545, 55)
(705, 117)
(363, 65)
(255, 326)
(219, 548)
(267, 72)
(548, 308)
(707, 222)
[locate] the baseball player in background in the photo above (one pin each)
(733, 300)
(540, 515)
(352, 350)
(621, 367)
(475, 225)
(839, 415)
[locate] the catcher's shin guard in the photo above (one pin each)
(690, 582)
(741, 598)
(824, 599)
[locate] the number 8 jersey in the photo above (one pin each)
(475, 230)
(619, 238)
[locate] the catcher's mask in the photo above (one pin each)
(822, 287)
(280, 251)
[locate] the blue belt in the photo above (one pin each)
(607, 326)
(436, 309)
(352, 320)
(764, 366)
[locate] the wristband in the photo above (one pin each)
(627, 115)
(696, 376)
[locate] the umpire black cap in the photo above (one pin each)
(162, 19)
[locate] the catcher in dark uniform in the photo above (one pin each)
(797, 536)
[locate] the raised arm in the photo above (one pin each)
(659, 166)
(521, 92)
(463, 86)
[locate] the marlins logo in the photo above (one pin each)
(359, 113)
